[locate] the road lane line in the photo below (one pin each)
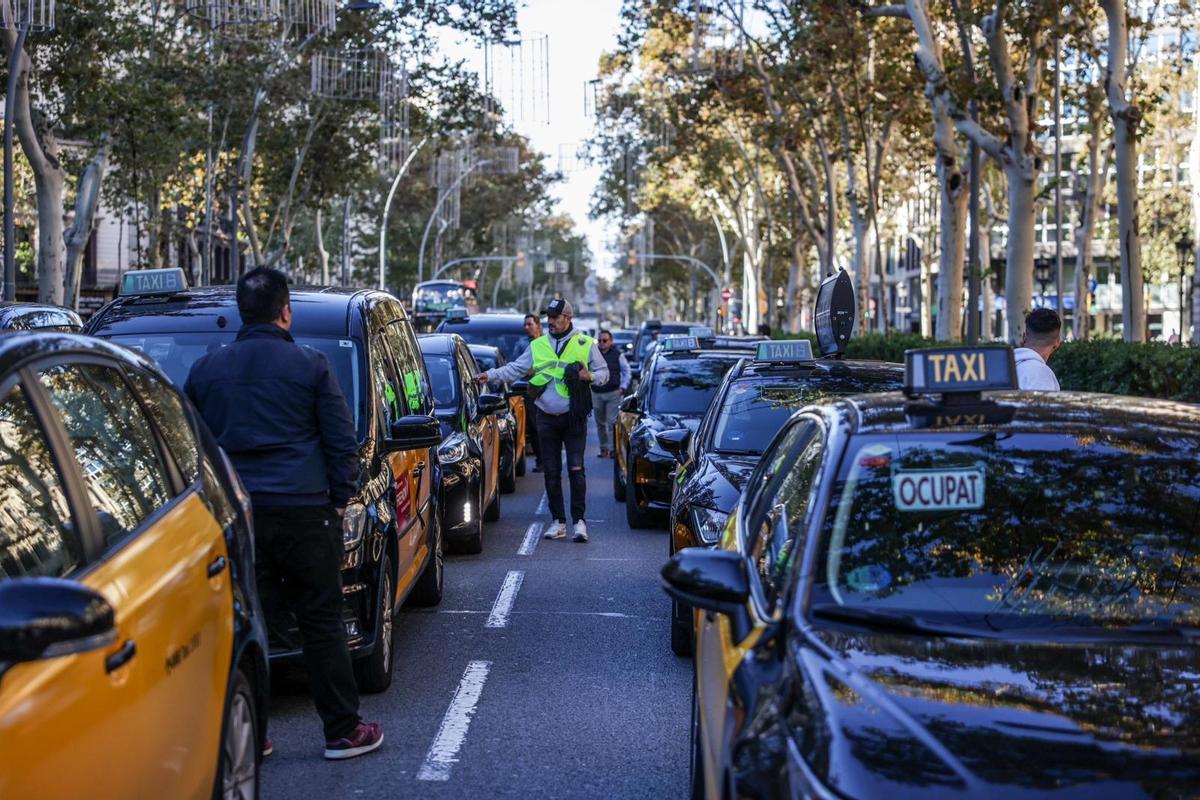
(531, 539)
(443, 753)
(504, 601)
(543, 505)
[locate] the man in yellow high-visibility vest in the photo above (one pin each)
(548, 357)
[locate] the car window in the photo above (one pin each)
(444, 380)
(779, 541)
(764, 481)
(389, 392)
(166, 409)
(468, 370)
(125, 478)
(417, 395)
(36, 539)
(687, 386)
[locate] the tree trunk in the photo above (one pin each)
(1086, 232)
(952, 232)
(1018, 269)
(1126, 118)
(87, 199)
(322, 253)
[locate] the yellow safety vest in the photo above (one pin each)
(550, 366)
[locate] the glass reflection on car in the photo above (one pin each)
(686, 387)
(445, 384)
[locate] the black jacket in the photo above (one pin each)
(276, 409)
(581, 398)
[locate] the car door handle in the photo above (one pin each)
(114, 661)
(418, 469)
(216, 566)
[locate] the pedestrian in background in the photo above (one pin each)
(1043, 335)
(607, 396)
(276, 409)
(533, 329)
(550, 357)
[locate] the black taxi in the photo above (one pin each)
(955, 591)
(757, 397)
(133, 650)
(469, 453)
(17, 316)
(681, 376)
(391, 529)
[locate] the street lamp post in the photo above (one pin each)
(1185, 248)
(438, 207)
(387, 207)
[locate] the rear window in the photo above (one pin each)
(1016, 531)
(176, 352)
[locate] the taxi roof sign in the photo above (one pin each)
(788, 351)
(959, 370)
(679, 344)
(457, 314)
(153, 281)
(701, 332)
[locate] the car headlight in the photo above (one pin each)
(649, 444)
(354, 525)
(452, 450)
(708, 524)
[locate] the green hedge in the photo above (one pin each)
(1098, 365)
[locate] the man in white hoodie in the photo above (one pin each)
(1043, 335)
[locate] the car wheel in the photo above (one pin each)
(696, 773)
(492, 512)
(374, 673)
(618, 484)
(471, 542)
(681, 630)
(508, 479)
(429, 588)
(238, 759)
(634, 515)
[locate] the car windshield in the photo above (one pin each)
(444, 380)
(754, 409)
(1010, 532)
(686, 386)
(176, 352)
(511, 344)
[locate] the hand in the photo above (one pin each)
(584, 375)
(481, 379)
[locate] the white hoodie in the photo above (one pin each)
(1033, 373)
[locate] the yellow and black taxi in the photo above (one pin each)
(16, 316)
(470, 449)
(133, 651)
(511, 419)
(681, 376)
(955, 591)
(756, 398)
(391, 530)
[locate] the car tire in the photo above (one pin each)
(681, 630)
(374, 673)
(430, 586)
(492, 512)
(241, 751)
(634, 515)
(696, 771)
(508, 480)
(618, 484)
(519, 458)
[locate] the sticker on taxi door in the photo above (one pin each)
(938, 489)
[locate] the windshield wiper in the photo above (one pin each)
(730, 452)
(892, 621)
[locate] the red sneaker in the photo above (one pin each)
(365, 738)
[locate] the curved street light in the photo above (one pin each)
(387, 207)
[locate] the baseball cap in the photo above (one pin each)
(558, 306)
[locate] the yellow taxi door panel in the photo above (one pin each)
(408, 476)
(713, 685)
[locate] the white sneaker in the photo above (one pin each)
(580, 532)
(557, 530)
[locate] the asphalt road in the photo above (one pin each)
(542, 674)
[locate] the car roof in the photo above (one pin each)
(1082, 413)
(502, 322)
(36, 315)
(881, 370)
(317, 311)
(18, 347)
(438, 344)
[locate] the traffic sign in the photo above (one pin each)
(726, 295)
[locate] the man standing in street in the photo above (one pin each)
(533, 329)
(276, 409)
(1043, 335)
(549, 357)
(607, 396)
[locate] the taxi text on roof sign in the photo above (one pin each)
(680, 344)
(457, 314)
(790, 350)
(959, 369)
(700, 332)
(153, 281)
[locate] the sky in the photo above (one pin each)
(578, 32)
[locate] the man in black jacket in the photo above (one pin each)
(276, 409)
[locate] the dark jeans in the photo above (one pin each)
(298, 563)
(554, 435)
(531, 428)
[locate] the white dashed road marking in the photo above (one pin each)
(531, 539)
(443, 753)
(543, 506)
(504, 601)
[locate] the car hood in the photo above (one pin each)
(982, 718)
(666, 422)
(719, 482)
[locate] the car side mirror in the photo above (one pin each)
(675, 442)
(50, 617)
(711, 580)
(490, 404)
(415, 432)
(518, 389)
(630, 404)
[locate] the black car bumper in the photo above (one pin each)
(651, 477)
(459, 497)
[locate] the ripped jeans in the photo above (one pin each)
(553, 436)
